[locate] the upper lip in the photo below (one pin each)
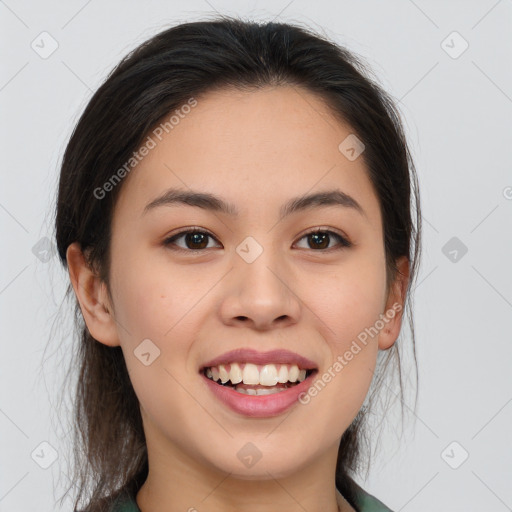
(246, 355)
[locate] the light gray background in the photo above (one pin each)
(457, 113)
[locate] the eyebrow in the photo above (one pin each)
(211, 202)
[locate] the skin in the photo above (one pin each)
(256, 150)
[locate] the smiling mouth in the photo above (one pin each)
(257, 380)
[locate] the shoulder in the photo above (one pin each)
(365, 502)
(368, 503)
(125, 502)
(122, 501)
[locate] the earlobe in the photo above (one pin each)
(393, 313)
(92, 296)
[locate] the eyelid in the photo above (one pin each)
(344, 241)
(169, 240)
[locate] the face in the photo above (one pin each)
(252, 280)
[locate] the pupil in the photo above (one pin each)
(193, 237)
(320, 240)
(316, 236)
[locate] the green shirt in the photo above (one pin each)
(365, 503)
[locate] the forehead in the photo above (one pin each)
(264, 145)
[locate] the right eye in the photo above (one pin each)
(194, 239)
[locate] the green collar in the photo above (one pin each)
(365, 503)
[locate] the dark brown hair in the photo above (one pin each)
(163, 73)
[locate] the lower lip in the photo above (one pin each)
(259, 406)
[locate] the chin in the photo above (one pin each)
(259, 460)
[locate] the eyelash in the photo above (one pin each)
(169, 242)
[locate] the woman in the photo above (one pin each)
(234, 211)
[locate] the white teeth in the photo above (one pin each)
(293, 374)
(269, 391)
(235, 373)
(251, 374)
(283, 374)
(223, 374)
(268, 375)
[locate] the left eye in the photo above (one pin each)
(320, 237)
(196, 240)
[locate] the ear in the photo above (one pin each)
(395, 306)
(93, 298)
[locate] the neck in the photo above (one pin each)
(176, 482)
(148, 500)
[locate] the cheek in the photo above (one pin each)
(153, 302)
(160, 305)
(155, 306)
(347, 304)
(348, 300)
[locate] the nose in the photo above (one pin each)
(260, 294)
